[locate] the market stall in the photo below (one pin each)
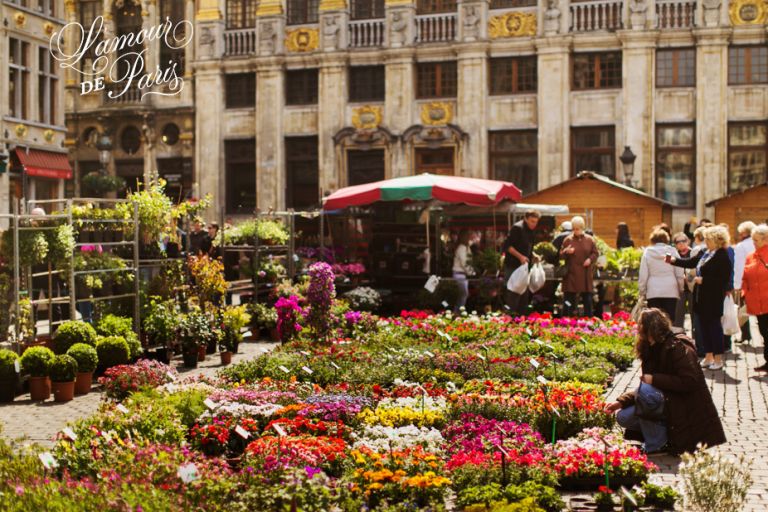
(750, 204)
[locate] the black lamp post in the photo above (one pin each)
(104, 145)
(628, 161)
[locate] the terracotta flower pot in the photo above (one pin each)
(226, 357)
(39, 388)
(83, 383)
(201, 354)
(63, 391)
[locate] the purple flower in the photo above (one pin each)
(311, 472)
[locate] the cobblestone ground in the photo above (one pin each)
(40, 421)
(741, 395)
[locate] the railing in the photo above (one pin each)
(675, 13)
(596, 15)
(366, 33)
(240, 42)
(132, 95)
(433, 28)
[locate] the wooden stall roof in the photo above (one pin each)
(754, 195)
(749, 204)
(610, 202)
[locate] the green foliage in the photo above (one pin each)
(8, 360)
(196, 330)
(63, 368)
(113, 325)
(86, 356)
(265, 230)
(544, 496)
(71, 332)
(659, 496)
(363, 298)
(98, 184)
(112, 351)
(265, 317)
(33, 247)
(713, 482)
(487, 262)
(155, 210)
(36, 361)
(188, 403)
(161, 318)
(61, 244)
(548, 252)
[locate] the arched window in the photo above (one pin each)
(130, 140)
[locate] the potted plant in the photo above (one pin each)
(9, 377)
(228, 344)
(235, 319)
(194, 331)
(71, 332)
(87, 359)
(160, 325)
(63, 374)
(112, 351)
(36, 362)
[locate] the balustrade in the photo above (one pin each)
(434, 28)
(675, 13)
(366, 33)
(240, 42)
(596, 15)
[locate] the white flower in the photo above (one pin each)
(382, 439)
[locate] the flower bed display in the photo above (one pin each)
(416, 412)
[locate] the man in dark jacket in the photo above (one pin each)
(566, 228)
(199, 241)
(518, 250)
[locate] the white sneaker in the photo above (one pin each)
(716, 366)
(706, 364)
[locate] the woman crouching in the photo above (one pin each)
(672, 409)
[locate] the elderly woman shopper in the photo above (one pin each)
(672, 408)
(754, 285)
(660, 283)
(580, 253)
(741, 250)
(712, 282)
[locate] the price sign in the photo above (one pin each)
(247, 334)
(534, 363)
(304, 353)
(445, 304)
(171, 388)
(335, 366)
(48, 461)
(556, 411)
(280, 431)
(542, 380)
(481, 356)
(70, 433)
(428, 353)
(502, 450)
(307, 370)
(209, 403)
(628, 495)
(242, 432)
(284, 369)
(170, 376)
(123, 409)
(17, 366)
(431, 284)
(188, 473)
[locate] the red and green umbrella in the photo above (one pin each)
(426, 187)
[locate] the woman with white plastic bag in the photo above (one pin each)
(730, 318)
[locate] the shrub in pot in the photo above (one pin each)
(87, 359)
(112, 351)
(36, 361)
(63, 374)
(71, 332)
(113, 325)
(228, 343)
(194, 332)
(8, 375)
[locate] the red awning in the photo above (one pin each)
(45, 164)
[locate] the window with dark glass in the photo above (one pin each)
(365, 166)
(47, 86)
(18, 78)
(596, 70)
(514, 157)
(302, 11)
(88, 11)
(241, 14)
(45, 7)
(676, 67)
(436, 80)
(594, 149)
(301, 87)
(435, 6)
(367, 9)
(302, 172)
(170, 134)
(747, 155)
(513, 75)
(511, 4)
(173, 53)
(128, 21)
(177, 173)
(366, 83)
(240, 90)
(676, 164)
(130, 140)
(240, 158)
(747, 65)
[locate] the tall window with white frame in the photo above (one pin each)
(593, 148)
(47, 86)
(747, 155)
(18, 78)
(514, 157)
(676, 164)
(241, 14)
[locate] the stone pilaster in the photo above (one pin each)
(334, 17)
(271, 28)
(473, 20)
(209, 28)
(331, 106)
(149, 18)
(401, 23)
(553, 104)
(711, 115)
(471, 108)
(637, 129)
(189, 51)
(399, 105)
(270, 154)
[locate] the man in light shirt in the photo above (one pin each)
(744, 248)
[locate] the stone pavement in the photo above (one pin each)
(41, 421)
(741, 396)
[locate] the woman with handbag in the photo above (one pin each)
(672, 409)
(754, 285)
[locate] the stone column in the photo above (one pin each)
(271, 28)
(711, 115)
(473, 20)
(471, 107)
(401, 23)
(270, 155)
(637, 104)
(189, 51)
(331, 106)
(334, 17)
(209, 82)
(553, 104)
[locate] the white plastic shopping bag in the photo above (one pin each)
(730, 318)
(537, 278)
(518, 281)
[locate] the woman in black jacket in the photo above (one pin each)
(712, 282)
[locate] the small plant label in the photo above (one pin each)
(428, 353)
(70, 433)
(279, 430)
(123, 409)
(247, 334)
(210, 403)
(481, 356)
(242, 432)
(502, 450)
(534, 363)
(188, 473)
(335, 366)
(284, 369)
(556, 411)
(304, 353)
(445, 304)
(171, 388)
(529, 332)
(628, 495)
(307, 370)
(170, 376)
(17, 366)
(48, 461)
(542, 380)
(107, 436)
(431, 284)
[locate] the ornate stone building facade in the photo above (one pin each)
(34, 161)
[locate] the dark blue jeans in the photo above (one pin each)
(712, 336)
(654, 432)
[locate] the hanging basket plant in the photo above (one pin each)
(99, 184)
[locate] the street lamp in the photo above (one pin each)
(104, 145)
(628, 161)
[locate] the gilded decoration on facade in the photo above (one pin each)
(748, 12)
(48, 135)
(20, 19)
(269, 8)
(208, 11)
(21, 131)
(512, 24)
(332, 5)
(48, 28)
(302, 40)
(436, 113)
(366, 118)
